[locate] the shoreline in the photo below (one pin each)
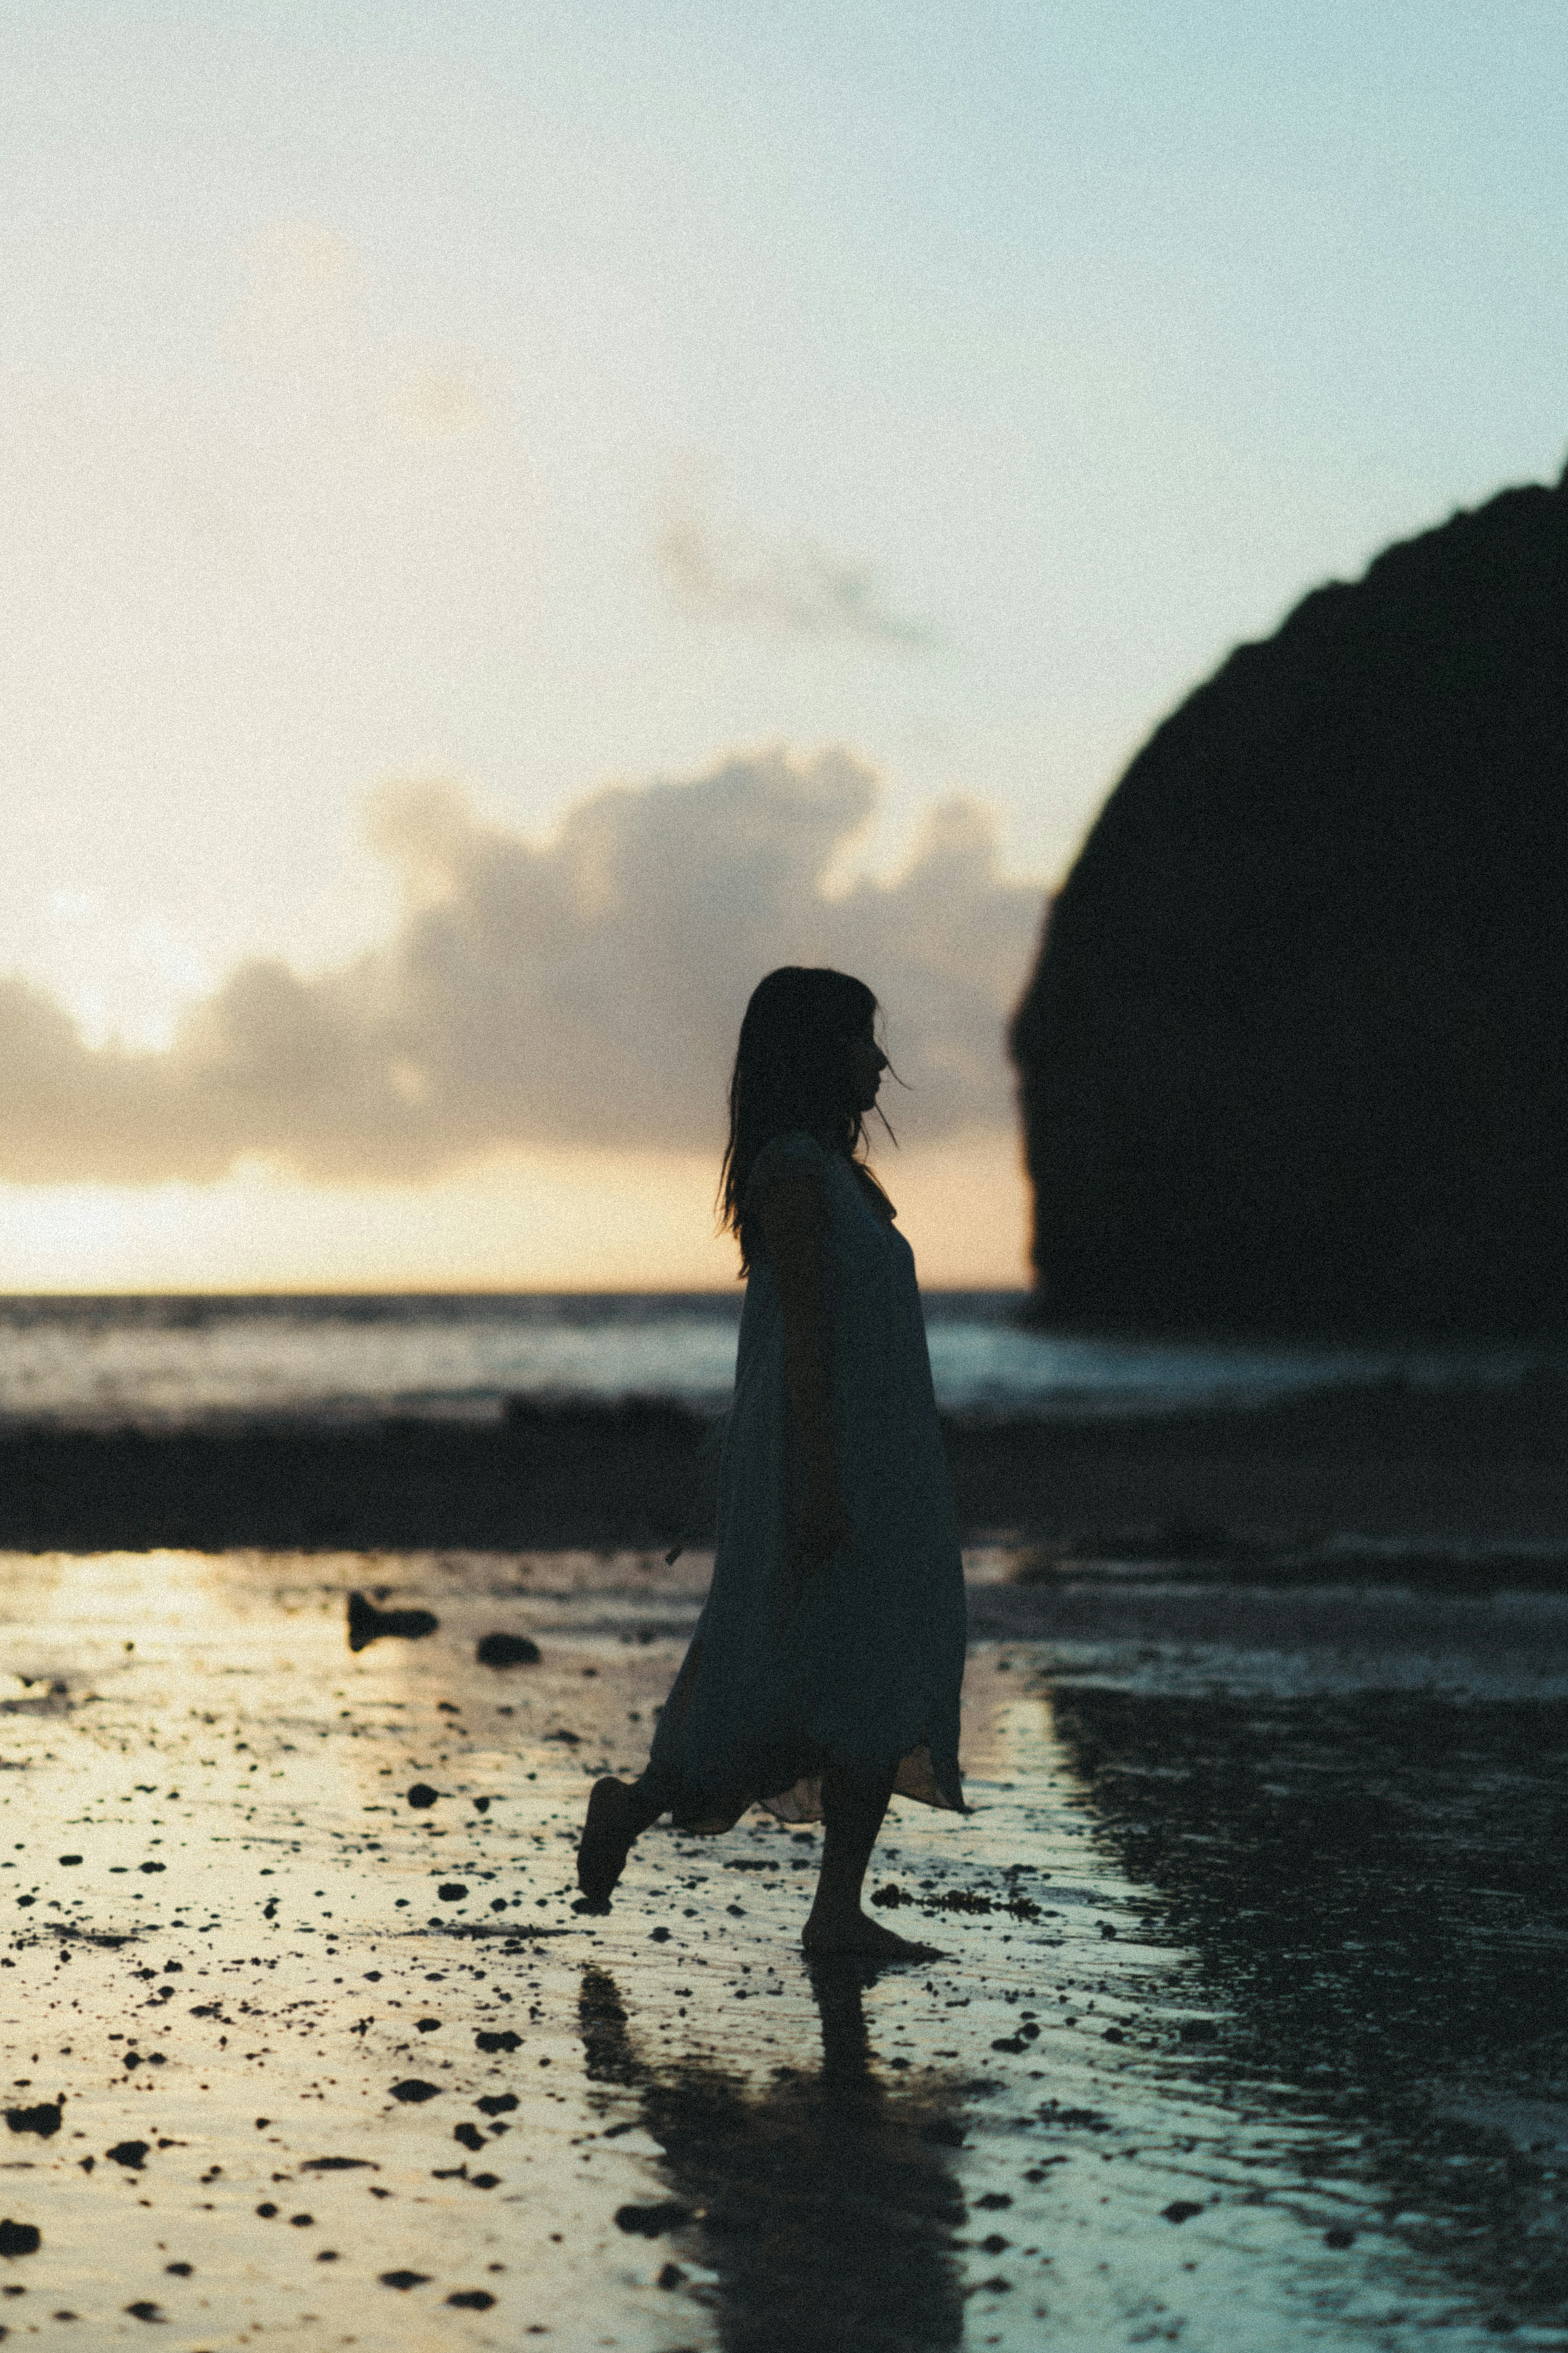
(1469, 1467)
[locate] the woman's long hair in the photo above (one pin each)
(790, 1073)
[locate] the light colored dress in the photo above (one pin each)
(859, 1666)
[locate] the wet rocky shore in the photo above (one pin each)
(1485, 1462)
(1247, 2031)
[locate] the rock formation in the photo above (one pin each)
(1295, 1053)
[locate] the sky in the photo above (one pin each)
(515, 518)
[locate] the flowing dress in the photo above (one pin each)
(860, 1665)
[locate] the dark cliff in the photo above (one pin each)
(1295, 1055)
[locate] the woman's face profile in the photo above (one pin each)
(866, 1063)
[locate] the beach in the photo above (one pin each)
(1248, 2025)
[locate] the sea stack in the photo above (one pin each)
(1295, 1053)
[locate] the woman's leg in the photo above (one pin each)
(851, 1818)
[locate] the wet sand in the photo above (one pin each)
(1249, 2029)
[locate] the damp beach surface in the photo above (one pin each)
(1248, 2028)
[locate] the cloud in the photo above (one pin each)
(729, 574)
(585, 989)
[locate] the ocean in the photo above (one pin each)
(161, 1362)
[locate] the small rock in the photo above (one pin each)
(19, 2238)
(1179, 2209)
(992, 2202)
(468, 2135)
(405, 2279)
(143, 2310)
(426, 2026)
(368, 1624)
(1339, 2237)
(497, 2104)
(652, 2221)
(670, 2275)
(500, 2038)
(129, 2153)
(1113, 2034)
(451, 1890)
(412, 2093)
(422, 1794)
(44, 2120)
(658, 1937)
(507, 1651)
(471, 2299)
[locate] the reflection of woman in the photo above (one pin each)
(825, 1672)
(824, 2200)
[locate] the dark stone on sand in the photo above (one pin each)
(144, 2309)
(652, 2221)
(484, 2181)
(338, 2165)
(422, 1794)
(468, 2136)
(1179, 2209)
(1113, 2034)
(507, 1651)
(19, 2238)
(368, 1624)
(1338, 2236)
(180, 2271)
(451, 1890)
(658, 1936)
(997, 2286)
(567, 1739)
(129, 2153)
(152, 1866)
(413, 2092)
(405, 2279)
(497, 2104)
(44, 2119)
(992, 2202)
(471, 2299)
(670, 2275)
(1291, 1058)
(267, 2210)
(502, 2038)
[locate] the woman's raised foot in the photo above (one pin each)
(607, 1833)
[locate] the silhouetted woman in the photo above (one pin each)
(825, 1672)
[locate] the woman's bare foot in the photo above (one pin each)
(855, 1933)
(606, 1841)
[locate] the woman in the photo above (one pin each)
(825, 1672)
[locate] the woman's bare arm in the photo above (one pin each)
(795, 1222)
